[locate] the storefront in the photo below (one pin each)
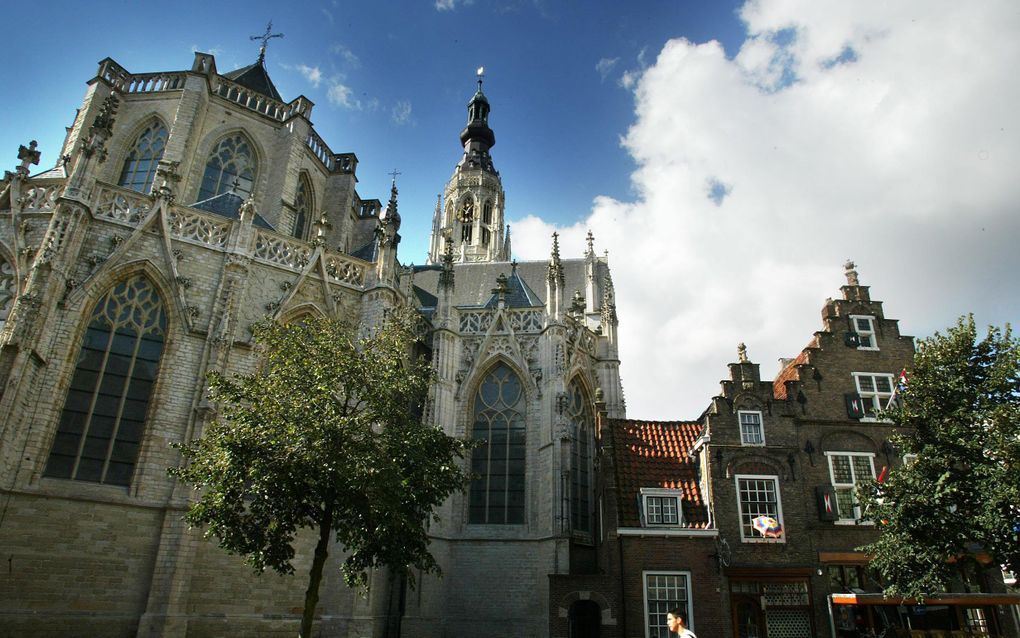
(941, 616)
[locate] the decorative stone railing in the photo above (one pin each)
(320, 150)
(191, 225)
(259, 103)
(521, 321)
(121, 205)
(294, 255)
(41, 196)
(152, 82)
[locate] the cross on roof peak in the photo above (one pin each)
(265, 37)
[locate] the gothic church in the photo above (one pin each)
(188, 205)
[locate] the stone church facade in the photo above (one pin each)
(185, 207)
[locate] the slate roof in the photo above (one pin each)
(518, 295)
(366, 252)
(56, 172)
(473, 282)
(227, 205)
(255, 77)
(654, 454)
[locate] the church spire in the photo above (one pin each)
(477, 138)
(472, 214)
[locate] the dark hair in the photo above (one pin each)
(679, 613)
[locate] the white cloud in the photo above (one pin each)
(450, 5)
(329, 16)
(401, 112)
(882, 132)
(605, 67)
(340, 94)
(346, 55)
(310, 73)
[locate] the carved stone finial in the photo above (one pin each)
(742, 352)
(851, 273)
(501, 285)
(247, 210)
(591, 243)
(577, 304)
(555, 254)
(28, 155)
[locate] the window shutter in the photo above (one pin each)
(851, 339)
(854, 406)
(826, 496)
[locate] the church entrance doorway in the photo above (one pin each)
(584, 619)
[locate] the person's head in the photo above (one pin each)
(676, 619)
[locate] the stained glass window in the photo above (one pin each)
(497, 490)
(231, 166)
(302, 205)
(579, 413)
(103, 419)
(140, 164)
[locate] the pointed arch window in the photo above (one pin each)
(103, 419)
(231, 166)
(302, 207)
(140, 164)
(581, 444)
(497, 491)
(467, 219)
(487, 212)
(8, 288)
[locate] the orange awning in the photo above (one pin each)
(964, 600)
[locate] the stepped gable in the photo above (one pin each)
(789, 373)
(655, 454)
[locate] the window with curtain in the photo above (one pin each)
(497, 490)
(139, 169)
(103, 419)
(231, 166)
(580, 415)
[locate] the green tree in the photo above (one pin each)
(960, 414)
(326, 435)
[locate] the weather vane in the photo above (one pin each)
(265, 37)
(481, 76)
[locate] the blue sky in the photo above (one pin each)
(730, 156)
(390, 81)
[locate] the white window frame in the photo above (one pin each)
(688, 604)
(740, 508)
(877, 400)
(842, 520)
(761, 428)
(870, 332)
(660, 492)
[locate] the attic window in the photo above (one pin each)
(864, 327)
(661, 507)
(751, 430)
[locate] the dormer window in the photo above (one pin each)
(661, 507)
(864, 327)
(751, 430)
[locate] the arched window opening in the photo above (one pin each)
(103, 419)
(140, 164)
(302, 206)
(467, 219)
(231, 166)
(487, 213)
(497, 490)
(485, 237)
(581, 444)
(8, 288)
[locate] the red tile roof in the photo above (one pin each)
(789, 373)
(654, 454)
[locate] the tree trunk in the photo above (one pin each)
(315, 576)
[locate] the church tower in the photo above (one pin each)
(470, 212)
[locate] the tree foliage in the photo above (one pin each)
(326, 434)
(960, 414)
